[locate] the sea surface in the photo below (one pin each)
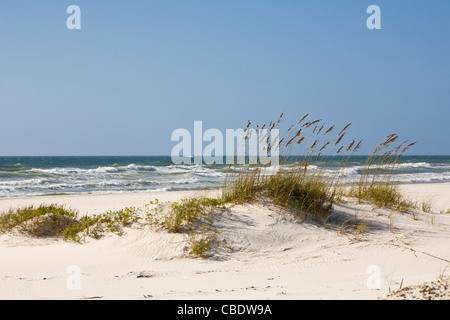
(33, 176)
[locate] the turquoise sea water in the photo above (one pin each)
(30, 176)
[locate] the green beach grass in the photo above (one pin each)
(58, 221)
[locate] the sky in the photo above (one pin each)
(138, 70)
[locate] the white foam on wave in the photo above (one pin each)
(422, 177)
(18, 183)
(132, 191)
(193, 169)
(414, 165)
(69, 171)
(185, 181)
(343, 172)
(134, 167)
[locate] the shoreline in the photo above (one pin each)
(437, 194)
(263, 254)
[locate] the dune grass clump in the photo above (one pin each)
(96, 225)
(307, 194)
(300, 182)
(426, 206)
(183, 215)
(60, 222)
(41, 221)
(201, 242)
(375, 183)
(383, 195)
(191, 216)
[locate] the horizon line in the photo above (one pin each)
(169, 156)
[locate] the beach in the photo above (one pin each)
(225, 150)
(264, 254)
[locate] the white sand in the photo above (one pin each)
(268, 255)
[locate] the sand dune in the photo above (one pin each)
(264, 254)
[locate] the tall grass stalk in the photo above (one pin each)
(304, 184)
(300, 184)
(375, 183)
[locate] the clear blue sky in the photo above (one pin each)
(137, 70)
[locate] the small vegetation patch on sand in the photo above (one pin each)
(58, 221)
(41, 221)
(383, 195)
(435, 290)
(192, 216)
(185, 214)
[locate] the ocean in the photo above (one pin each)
(35, 176)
